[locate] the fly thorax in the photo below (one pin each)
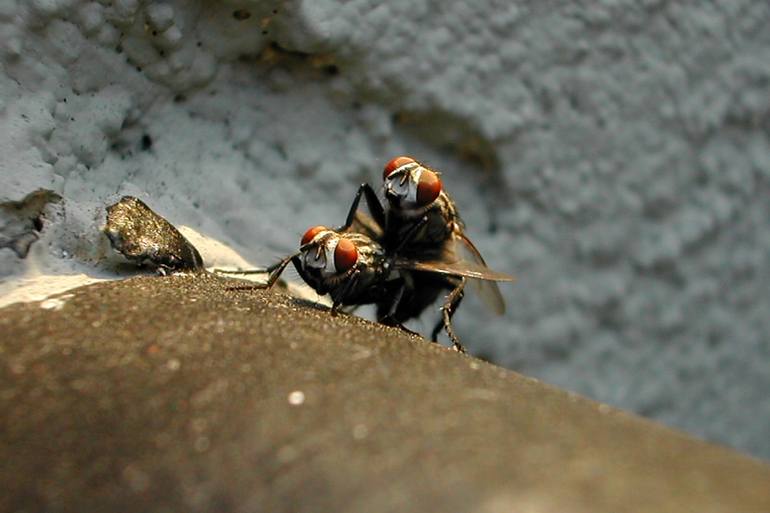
(372, 259)
(369, 252)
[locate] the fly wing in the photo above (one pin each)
(364, 223)
(461, 268)
(488, 291)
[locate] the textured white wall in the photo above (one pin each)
(613, 154)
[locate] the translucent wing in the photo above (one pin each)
(461, 268)
(488, 291)
(364, 223)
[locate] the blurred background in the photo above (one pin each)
(614, 155)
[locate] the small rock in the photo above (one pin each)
(141, 235)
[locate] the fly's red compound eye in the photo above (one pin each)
(345, 255)
(395, 164)
(428, 188)
(311, 233)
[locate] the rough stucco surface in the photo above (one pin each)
(614, 155)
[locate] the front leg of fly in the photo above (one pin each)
(243, 271)
(275, 271)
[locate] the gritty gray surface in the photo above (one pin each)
(174, 394)
(613, 154)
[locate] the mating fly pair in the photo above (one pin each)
(401, 257)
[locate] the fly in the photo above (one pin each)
(421, 227)
(401, 258)
(354, 269)
(351, 267)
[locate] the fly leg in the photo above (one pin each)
(275, 271)
(410, 233)
(448, 309)
(389, 319)
(372, 201)
(244, 271)
(350, 284)
(258, 270)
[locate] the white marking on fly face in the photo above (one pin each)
(322, 260)
(408, 189)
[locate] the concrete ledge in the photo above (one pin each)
(174, 394)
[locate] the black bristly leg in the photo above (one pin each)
(275, 271)
(410, 233)
(372, 201)
(448, 309)
(375, 206)
(265, 270)
(396, 300)
(389, 319)
(349, 285)
(245, 271)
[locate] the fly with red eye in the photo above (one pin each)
(410, 184)
(401, 258)
(351, 267)
(418, 205)
(422, 230)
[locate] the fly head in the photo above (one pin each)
(325, 258)
(409, 185)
